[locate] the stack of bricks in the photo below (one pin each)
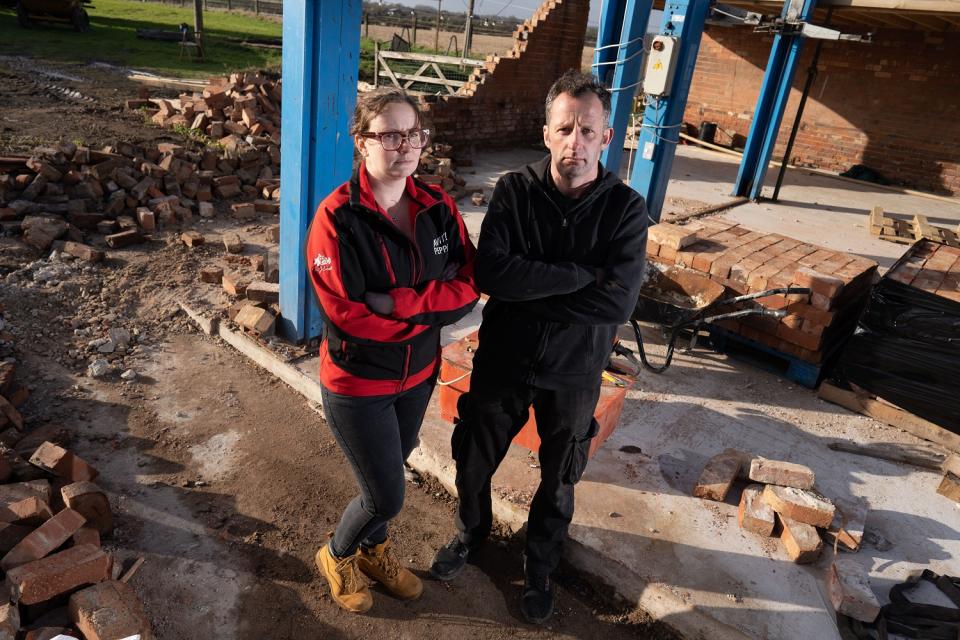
(501, 104)
(747, 261)
(931, 267)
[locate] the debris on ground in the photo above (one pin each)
(893, 229)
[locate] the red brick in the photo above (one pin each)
(62, 572)
(950, 487)
(192, 238)
(10, 415)
(244, 210)
(672, 236)
(234, 284)
(754, 514)
(718, 475)
(109, 611)
(88, 500)
(11, 535)
(802, 541)
(63, 463)
(9, 621)
(848, 583)
(45, 539)
(212, 275)
(86, 535)
(800, 505)
(818, 282)
(29, 511)
(786, 474)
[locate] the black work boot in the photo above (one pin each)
(450, 560)
(536, 602)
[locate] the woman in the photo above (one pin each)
(391, 263)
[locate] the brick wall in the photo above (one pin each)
(893, 105)
(502, 104)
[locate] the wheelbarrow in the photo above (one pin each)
(70, 11)
(682, 300)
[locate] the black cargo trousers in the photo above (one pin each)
(491, 414)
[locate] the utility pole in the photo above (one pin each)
(198, 25)
(436, 39)
(468, 33)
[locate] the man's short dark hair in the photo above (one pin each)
(576, 84)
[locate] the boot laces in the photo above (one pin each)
(388, 562)
(353, 579)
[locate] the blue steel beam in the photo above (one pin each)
(321, 57)
(608, 35)
(626, 74)
(771, 103)
(663, 117)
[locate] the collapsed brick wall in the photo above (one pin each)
(502, 104)
(893, 105)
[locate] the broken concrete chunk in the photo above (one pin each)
(718, 475)
(62, 572)
(800, 505)
(754, 514)
(108, 611)
(802, 541)
(232, 242)
(91, 502)
(785, 474)
(848, 583)
(63, 463)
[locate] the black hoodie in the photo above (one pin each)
(560, 278)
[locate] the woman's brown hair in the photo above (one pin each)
(373, 103)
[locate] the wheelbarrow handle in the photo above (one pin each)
(762, 311)
(786, 291)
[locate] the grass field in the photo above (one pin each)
(112, 38)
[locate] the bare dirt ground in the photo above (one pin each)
(221, 477)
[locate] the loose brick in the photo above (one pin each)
(802, 541)
(232, 242)
(212, 275)
(63, 463)
(950, 487)
(87, 535)
(244, 210)
(9, 621)
(256, 262)
(256, 319)
(786, 474)
(123, 239)
(273, 233)
(17, 491)
(672, 236)
(267, 206)
(62, 572)
(800, 505)
(718, 475)
(754, 514)
(146, 219)
(11, 414)
(848, 584)
(826, 285)
(952, 464)
(234, 284)
(45, 539)
(91, 502)
(29, 511)
(192, 238)
(11, 535)
(849, 522)
(109, 611)
(82, 251)
(267, 292)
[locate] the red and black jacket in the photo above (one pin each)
(353, 248)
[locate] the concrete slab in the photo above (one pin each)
(638, 528)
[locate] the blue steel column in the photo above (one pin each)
(663, 117)
(771, 103)
(635, 17)
(608, 35)
(321, 58)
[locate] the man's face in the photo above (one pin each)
(575, 134)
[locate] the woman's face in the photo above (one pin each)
(390, 165)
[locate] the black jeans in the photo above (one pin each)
(491, 414)
(376, 434)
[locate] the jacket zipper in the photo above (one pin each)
(387, 263)
(406, 368)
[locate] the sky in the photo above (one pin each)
(518, 8)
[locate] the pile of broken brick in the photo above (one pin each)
(59, 581)
(783, 500)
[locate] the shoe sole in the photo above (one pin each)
(447, 577)
(533, 620)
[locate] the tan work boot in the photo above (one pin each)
(380, 564)
(347, 585)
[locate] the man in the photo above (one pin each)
(561, 254)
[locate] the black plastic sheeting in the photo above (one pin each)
(906, 350)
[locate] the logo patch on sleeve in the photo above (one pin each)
(322, 263)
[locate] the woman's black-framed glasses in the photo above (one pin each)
(391, 140)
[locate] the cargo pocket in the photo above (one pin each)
(579, 449)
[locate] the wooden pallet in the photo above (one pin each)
(766, 357)
(909, 231)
